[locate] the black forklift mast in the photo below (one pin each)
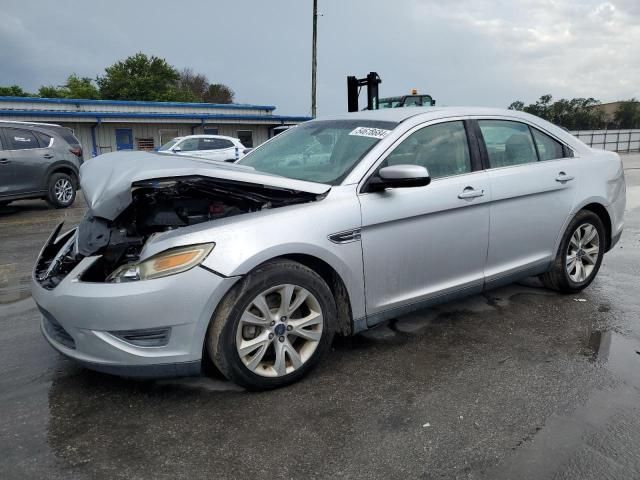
(371, 81)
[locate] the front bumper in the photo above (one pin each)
(78, 316)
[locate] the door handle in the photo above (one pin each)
(47, 155)
(4, 161)
(470, 192)
(563, 177)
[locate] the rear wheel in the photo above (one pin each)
(273, 327)
(61, 191)
(579, 256)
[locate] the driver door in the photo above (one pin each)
(423, 244)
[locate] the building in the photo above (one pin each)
(610, 109)
(108, 125)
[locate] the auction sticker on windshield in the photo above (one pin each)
(370, 132)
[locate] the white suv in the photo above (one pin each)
(210, 147)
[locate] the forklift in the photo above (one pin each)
(371, 81)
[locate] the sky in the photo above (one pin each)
(462, 52)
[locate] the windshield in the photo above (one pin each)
(391, 102)
(169, 145)
(322, 151)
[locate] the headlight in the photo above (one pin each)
(166, 263)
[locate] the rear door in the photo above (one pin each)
(533, 184)
(28, 159)
(426, 242)
(7, 173)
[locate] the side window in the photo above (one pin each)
(208, 144)
(189, 145)
(20, 139)
(214, 144)
(443, 149)
(508, 143)
(45, 140)
(548, 148)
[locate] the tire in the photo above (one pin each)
(238, 321)
(564, 276)
(61, 190)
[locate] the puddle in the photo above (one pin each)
(201, 384)
(619, 353)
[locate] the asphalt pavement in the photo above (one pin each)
(518, 383)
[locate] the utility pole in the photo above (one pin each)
(314, 63)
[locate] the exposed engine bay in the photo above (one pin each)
(157, 205)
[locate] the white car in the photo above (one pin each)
(210, 147)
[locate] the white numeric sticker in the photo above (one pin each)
(370, 132)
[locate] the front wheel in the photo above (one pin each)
(61, 190)
(579, 256)
(273, 327)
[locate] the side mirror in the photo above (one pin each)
(399, 176)
(176, 149)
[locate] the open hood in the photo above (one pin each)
(108, 179)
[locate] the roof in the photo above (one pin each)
(138, 103)
(400, 114)
(81, 110)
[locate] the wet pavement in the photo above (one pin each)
(517, 383)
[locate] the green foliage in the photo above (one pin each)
(81, 87)
(14, 91)
(201, 90)
(140, 77)
(574, 114)
(219, 93)
(517, 105)
(628, 114)
(75, 87)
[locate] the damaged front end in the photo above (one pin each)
(157, 205)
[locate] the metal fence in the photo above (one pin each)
(623, 141)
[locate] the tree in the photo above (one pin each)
(50, 91)
(75, 87)
(199, 87)
(81, 87)
(517, 105)
(193, 84)
(14, 91)
(140, 77)
(219, 93)
(628, 114)
(574, 114)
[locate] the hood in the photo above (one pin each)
(107, 180)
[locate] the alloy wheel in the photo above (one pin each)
(63, 190)
(582, 252)
(279, 330)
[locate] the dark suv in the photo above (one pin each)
(38, 160)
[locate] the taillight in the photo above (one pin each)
(246, 150)
(77, 151)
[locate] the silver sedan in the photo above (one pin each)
(329, 228)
